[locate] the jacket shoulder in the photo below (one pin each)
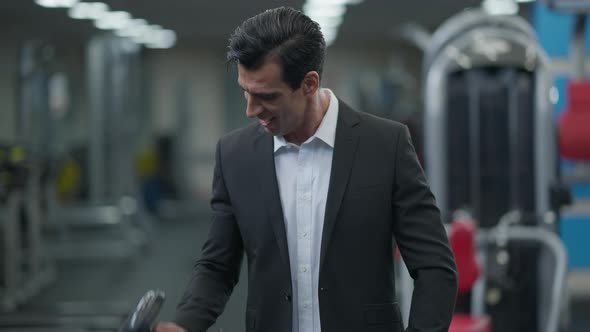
(380, 128)
(240, 138)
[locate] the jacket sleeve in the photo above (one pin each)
(423, 243)
(217, 271)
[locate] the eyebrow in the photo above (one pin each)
(266, 95)
(263, 95)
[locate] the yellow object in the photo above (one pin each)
(147, 163)
(17, 154)
(68, 180)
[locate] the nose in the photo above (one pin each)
(253, 108)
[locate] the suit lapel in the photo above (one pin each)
(345, 145)
(270, 191)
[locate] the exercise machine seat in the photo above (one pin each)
(468, 323)
(574, 123)
(462, 239)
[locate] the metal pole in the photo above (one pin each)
(12, 251)
(514, 158)
(548, 240)
(474, 94)
(435, 132)
(96, 103)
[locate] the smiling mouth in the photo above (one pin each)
(266, 122)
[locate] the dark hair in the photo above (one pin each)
(284, 35)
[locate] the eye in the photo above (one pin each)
(269, 97)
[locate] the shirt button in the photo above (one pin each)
(304, 269)
(305, 305)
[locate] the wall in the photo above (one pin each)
(8, 74)
(187, 98)
(214, 103)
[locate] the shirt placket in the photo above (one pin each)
(304, 237)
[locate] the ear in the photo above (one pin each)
(311, 83)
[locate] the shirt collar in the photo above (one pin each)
(325, 132)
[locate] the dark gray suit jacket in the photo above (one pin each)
(377, 192)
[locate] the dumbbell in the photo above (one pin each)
(144, 316)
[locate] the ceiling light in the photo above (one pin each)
(500, 7)
(133, 29)
(88, 10)
(330, 35)
(324, 10)
(153, 36)
(147, 34)
(113, 20)
(330, 39)
(162, 39)
(329, 22)
(329, 15)
(56, 3)
(335, 2)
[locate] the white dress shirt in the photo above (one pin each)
(303, 175)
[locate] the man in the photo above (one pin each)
(314, 194)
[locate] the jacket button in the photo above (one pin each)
(287, 297)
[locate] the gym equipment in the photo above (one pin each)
(474, 249)
(463, 236)
(110, 225)
(25, 269)
(112, 222)
(487, 91)
(574, 139)
(574, 144)
(10, 242)
(490, 147)
(144, 316)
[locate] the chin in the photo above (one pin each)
(273, 132)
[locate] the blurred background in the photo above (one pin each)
(110, 112)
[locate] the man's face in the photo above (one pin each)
(278, 108)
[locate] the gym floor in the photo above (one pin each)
(167, 265)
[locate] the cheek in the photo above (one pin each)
(280, 110)
(282, 116)
(273, 110)
(287, 112)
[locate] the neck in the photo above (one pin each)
(314, 113)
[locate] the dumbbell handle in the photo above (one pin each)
(144, 316)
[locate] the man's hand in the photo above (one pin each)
(168, 327)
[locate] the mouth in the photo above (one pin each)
(266, 122)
